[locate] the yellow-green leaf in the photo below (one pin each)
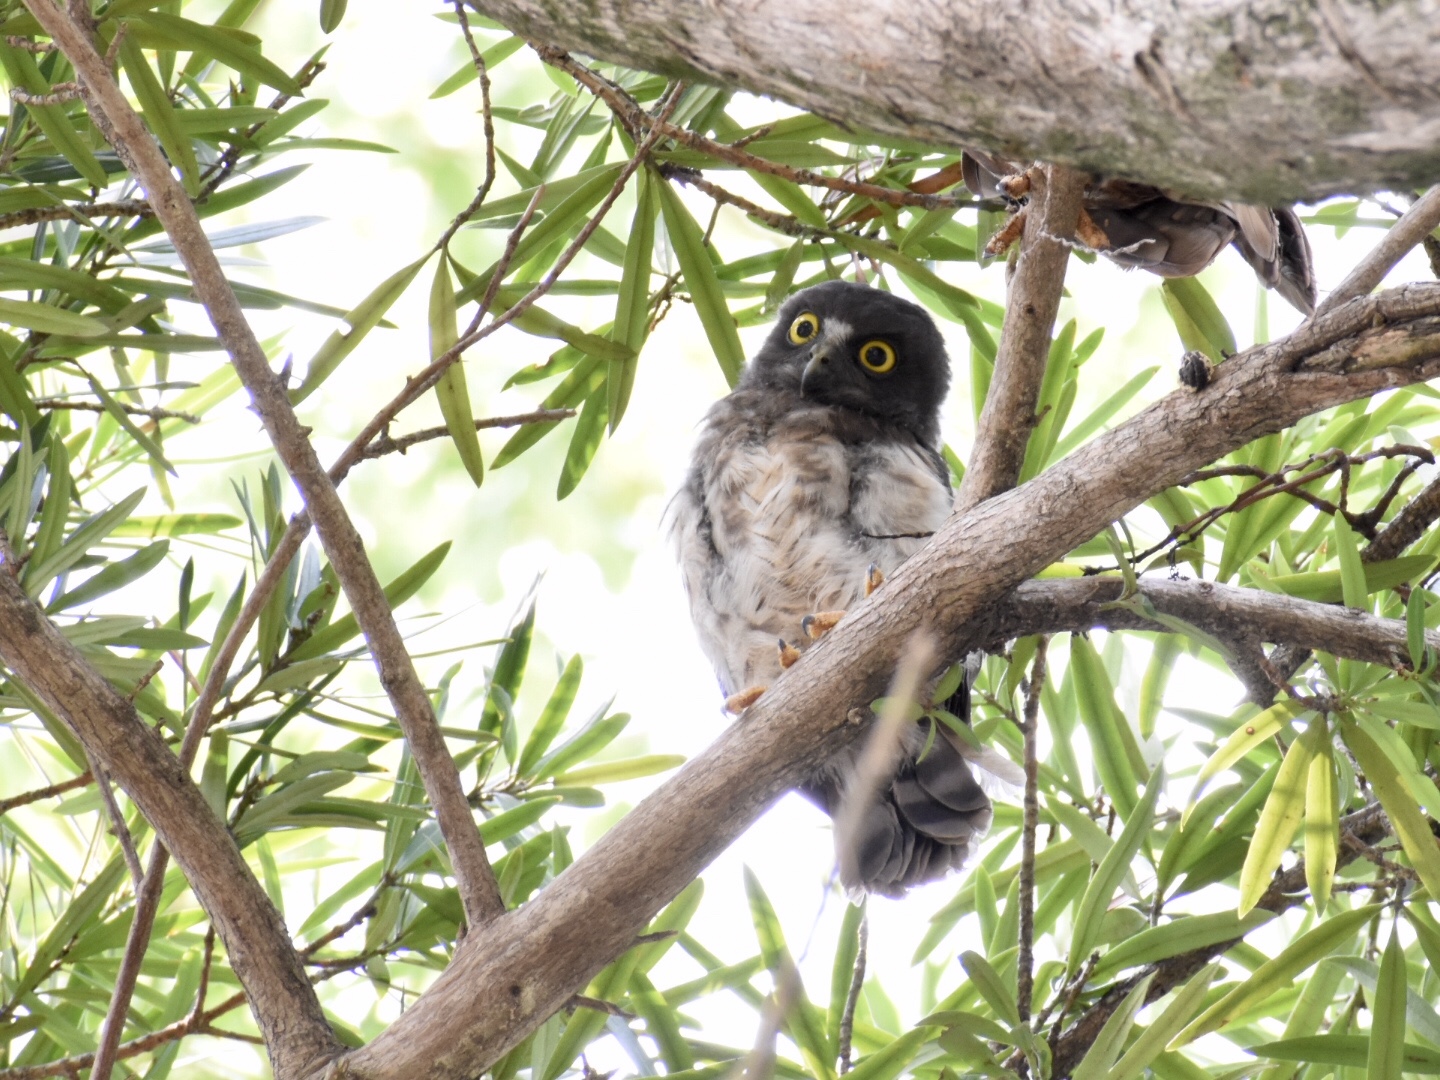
(1387, 1025)
(1322, 821)
(688, 243)
(632, 302)
(1281, 816)
(160, 114)
(451, 392)
(1410, 824)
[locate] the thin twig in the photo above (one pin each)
(117, 821)
(36, 214)
(50, 792)
(488, 126)
(1414, 226)
(636, 120)
(156, 414)
(852, 996)
(1025, 973)
(383, 444)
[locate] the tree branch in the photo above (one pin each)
(1414, 226)
(491, 996)
(475, 880)
(1034, 297)
(1212, 86)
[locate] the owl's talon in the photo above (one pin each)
(788, 653)
(1007, 235)
(874, 578)
(821, 623)
(1016, 186)
(738, 703)
(1089, 233)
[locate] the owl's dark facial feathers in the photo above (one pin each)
(859, 348)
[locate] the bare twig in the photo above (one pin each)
(638, 120)
(852, 996)
(36, 214)
(117, 821)
(1025, 972)
(1414, 226)
(1003, 432)
(488, 127)
(383, 444)
(50, 792)
(156, 414)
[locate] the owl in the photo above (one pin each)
(817, 476)
(1136, 225)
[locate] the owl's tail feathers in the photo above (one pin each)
(926, 823)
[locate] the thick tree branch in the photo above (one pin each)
(1413, 227)
(1030, 306)
(283, 1001)
(491, 996)
(475, 880)
(1261, 100)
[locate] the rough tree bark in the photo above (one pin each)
(1263, 100)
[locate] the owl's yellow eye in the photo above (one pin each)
(804, 328)
(877, 356)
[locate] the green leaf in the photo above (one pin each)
(22, 70)
(1410, 824)
(584, 744)
(1419, 1013)
(1415, 629)
(1277, 973)
(451, 392)
(1110, 871)
(91, 531)
(1151, 1042)
(1326, 587)
(991, 987)
(1107, 1045)
(1197, 318)
(552, 717)
(339, 632)
(1102, 415)
(802, 1021)
(363, 318)
(217, 43)
(842, 972)
(331, 12)
(1281, 816)
(160, 115)
(1250, 734)
(114, 576)
(632, 302)
(1387, 1026)
(49, 319)
(584, 442)
(1116, 753)
(688, 243)
(1353, 585)
(1352, 1051)
(1181, 935)
(1322, 820)
(612, 772)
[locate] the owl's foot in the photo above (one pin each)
(1090, 234)
(874, 578)
(1007, 235)
(821, 623)
(738, 703)
(1016, 185)
(788, 653)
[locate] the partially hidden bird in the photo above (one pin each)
(817, 476)
(1167, 233)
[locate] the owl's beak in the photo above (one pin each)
(816, 370)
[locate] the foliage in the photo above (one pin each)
(1141, 868)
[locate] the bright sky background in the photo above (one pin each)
(609, 589)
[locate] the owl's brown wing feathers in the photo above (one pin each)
(1173, 236)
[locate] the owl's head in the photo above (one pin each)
(856, 347)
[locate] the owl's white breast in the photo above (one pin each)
(770, 529)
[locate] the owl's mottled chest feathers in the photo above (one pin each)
(786, 506)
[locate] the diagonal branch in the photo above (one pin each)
(491, 996)
(474, 878)
(1034, 297)
(1414, 226)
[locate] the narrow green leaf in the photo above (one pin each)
(1326, 587)
(1410, 824)
(1352, 1051)
(331, 12)
(1180, 935)
(584, 744)
(49, 319)
(991, 987)
(1385, 1060)
(340, 631)
(1197, 318)
(1152, 1041)
(363, 318)
(160, 114)
(1277, 973)
(1322, 820)
(20, 66)
(451, 392)
(1250, 734)
(1415, 629)
(632, 303)
(552, 717)
(612, 772)
(91, 531)
(584, 441)
(1353, 588)
(216, 43)
(1106, 1048)
(1281, 816)
(1109, 873)
(688, 243)
(114, 576)
(1116, 753)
